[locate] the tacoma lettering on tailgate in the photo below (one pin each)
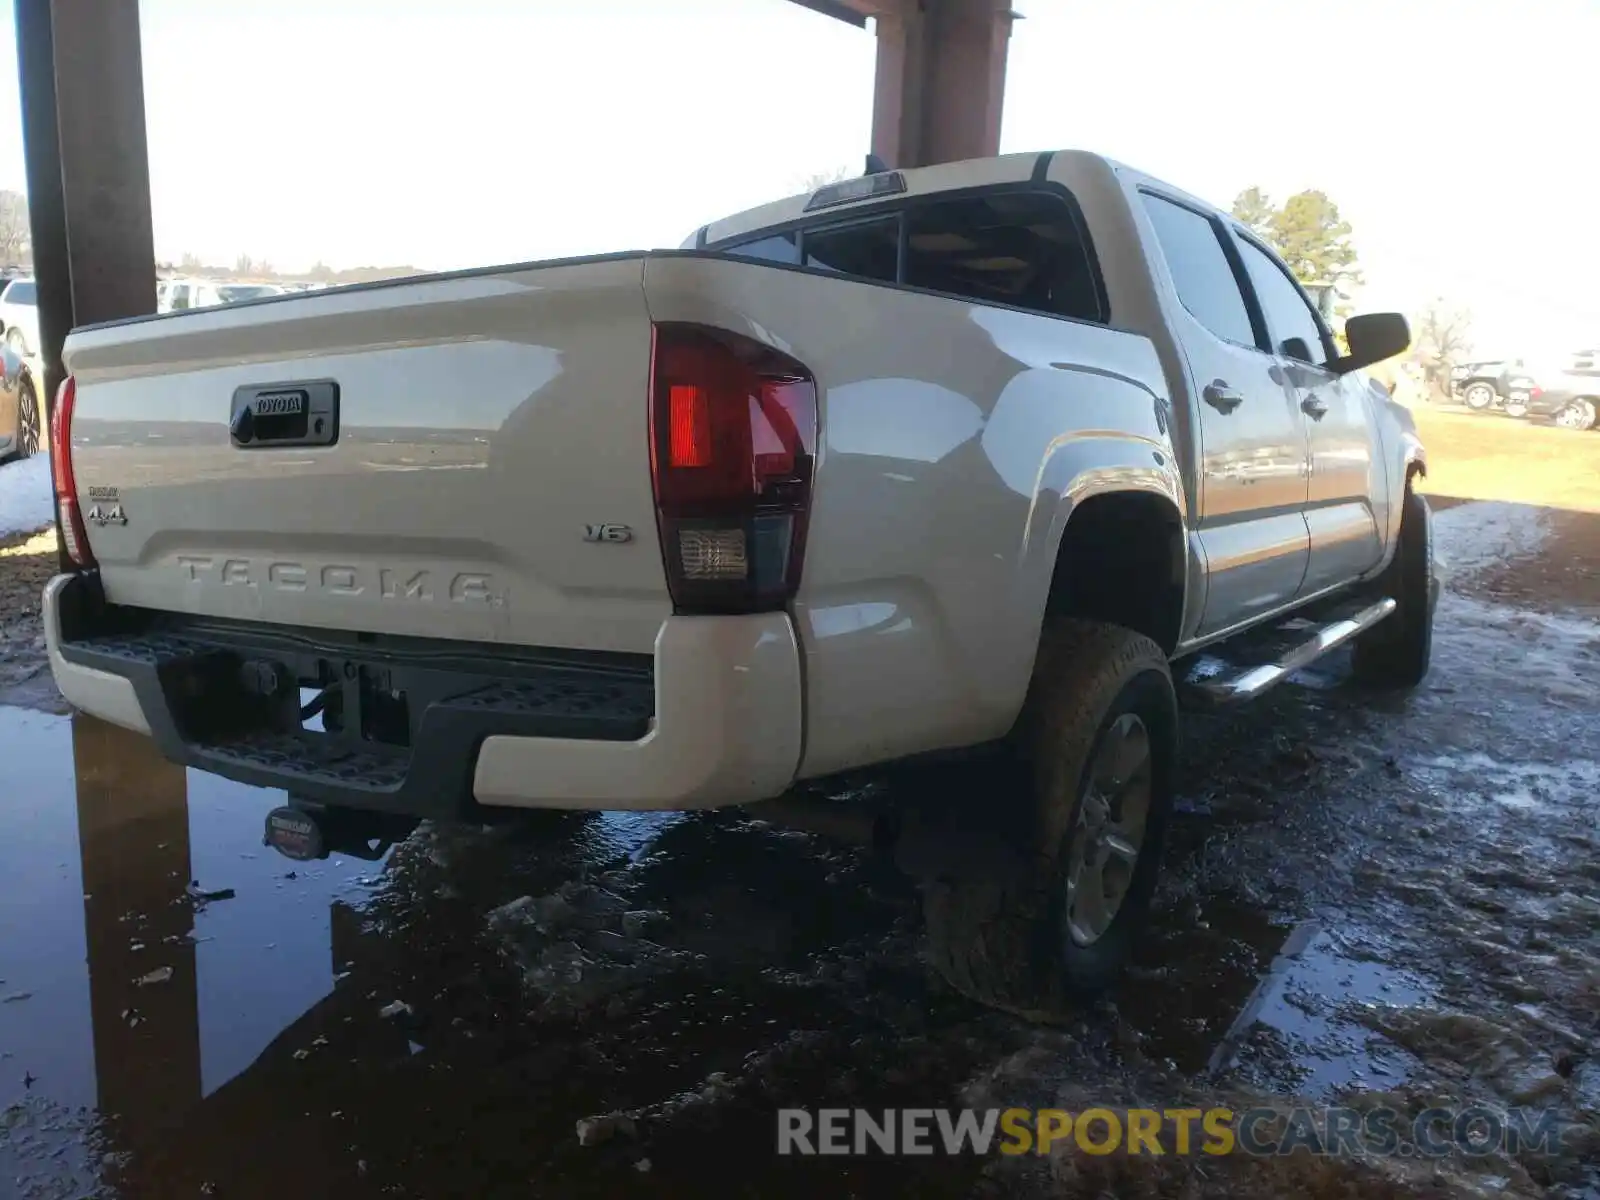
(339, 579)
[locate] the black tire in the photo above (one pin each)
(1397, 652)
(29, 419)
(1478, 396)
(1579, 413)
(1007, 942)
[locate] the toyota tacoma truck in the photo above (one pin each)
(1031, 451)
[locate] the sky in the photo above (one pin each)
(1457, 136)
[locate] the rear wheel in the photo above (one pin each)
(1100, 730)
(28, 419)
(1516, 408)
(1581, 413)
(1397, 652)
(1478, 396)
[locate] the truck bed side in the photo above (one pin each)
(955, 439)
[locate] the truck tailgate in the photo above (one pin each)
(489, 479)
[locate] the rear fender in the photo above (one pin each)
(1079, 468)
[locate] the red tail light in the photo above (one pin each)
(733, 434)
(74, 537)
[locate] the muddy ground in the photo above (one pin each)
(1367, 899)
(26, 563)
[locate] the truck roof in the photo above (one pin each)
(919, 181)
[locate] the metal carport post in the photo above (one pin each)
(83, 129)
(941, 75)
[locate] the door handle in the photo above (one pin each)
(1314, 408)
(1222, 397)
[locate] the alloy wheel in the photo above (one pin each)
(1109, 834)
(28, 418)
(1580, 414)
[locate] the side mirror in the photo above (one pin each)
(1373, 337)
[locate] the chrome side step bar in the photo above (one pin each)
(1251, 683)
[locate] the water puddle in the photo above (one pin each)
(1311, 1002)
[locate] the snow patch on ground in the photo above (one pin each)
(1516, 785)
(27, 502)
(1557, 654)
(1469, 537)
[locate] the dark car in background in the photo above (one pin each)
(1573, 399)
(1503, 384)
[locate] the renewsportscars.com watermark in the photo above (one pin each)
(1332, 1131)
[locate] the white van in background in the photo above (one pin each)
(19, 315)
(180, 295)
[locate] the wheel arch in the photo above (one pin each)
(1122, 558)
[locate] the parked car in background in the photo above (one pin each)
(1572, 401)
(21, 414)
(181, 295)
(1497, 384)
(983, 455)
(19, 311)
(232, 293)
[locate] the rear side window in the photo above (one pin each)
(1024, 248)
(1018, 248)
(20, 292)
(867, 249)
(1192, 245)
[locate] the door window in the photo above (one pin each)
(1288, 314)
(1201, 272)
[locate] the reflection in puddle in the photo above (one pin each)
(1306, 1001)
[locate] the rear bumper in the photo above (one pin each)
(712, 717)
(1548, 404)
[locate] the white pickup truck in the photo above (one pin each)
(1024, 450)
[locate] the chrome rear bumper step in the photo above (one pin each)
(1223, 690)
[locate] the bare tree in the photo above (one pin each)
(1443, 337)
(15, 234)
(819, 179)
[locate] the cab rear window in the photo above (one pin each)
(779, 248)
(1027, 248)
